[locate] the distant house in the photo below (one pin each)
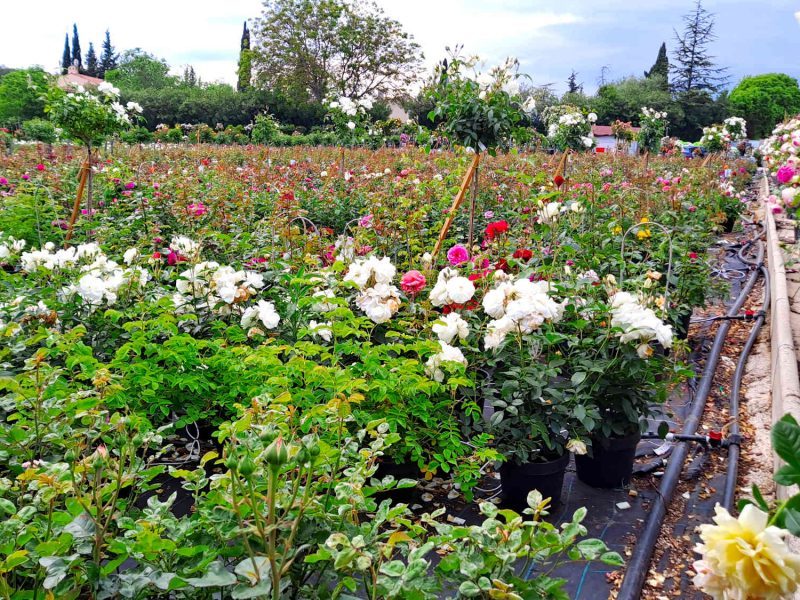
(398, 112)
(606, 142)
(74, 78)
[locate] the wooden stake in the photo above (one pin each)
(77, 206)
(457, 203)
(561, 169)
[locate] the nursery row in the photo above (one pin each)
(291, 304)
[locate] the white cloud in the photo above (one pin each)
(175, 30)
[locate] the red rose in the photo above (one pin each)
(523, 254)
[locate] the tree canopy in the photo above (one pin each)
(139, 70)
(22, 96)
(765, 100)
(313, 48)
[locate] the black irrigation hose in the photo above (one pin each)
(734, 449)
(637, 568)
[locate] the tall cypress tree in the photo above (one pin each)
(245, 61)
(91, 61)
(108, 60)
(66, 58)
(76, 47)
(661, 67)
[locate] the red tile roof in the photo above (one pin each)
(603, 130)
(73, 79)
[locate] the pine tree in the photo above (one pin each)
(573, 87)
(76, 48)
(66, 58)
(108, 60)
(694, 68)
(91, 61)
(189, 76)
(244, 71)
(661, 67)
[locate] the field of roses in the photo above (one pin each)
(285, 305)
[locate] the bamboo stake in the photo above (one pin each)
(77, 206)
(561, 168)
(457, 203)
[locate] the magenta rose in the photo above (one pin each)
(457, 255)
(785, 174)
(413, 282)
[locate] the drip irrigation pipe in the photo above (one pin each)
(734, 449)
(637, 568)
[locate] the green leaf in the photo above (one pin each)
(579, 377)
(261, 590)
(762, 504)
(7, 506)
(253, 572)
(469, 589)
(592, 548)
(216, 576)
(786, 440)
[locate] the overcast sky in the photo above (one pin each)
(550, 37)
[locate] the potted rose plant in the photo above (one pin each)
(534, 422)
(617, 368)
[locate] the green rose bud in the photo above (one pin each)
(277, 454)
(247, 467)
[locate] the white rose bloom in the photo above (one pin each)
(131, 254)
(592, 117)
(460, 290)
(638, 324)
(351, 125)
(494, 302)
(322, 307)
(263, 311)
(450, 327)
(321, 330)
(447, 354)
(4, 252)
(134, 107)
(496, 332)
(185, 246)
(91, 289)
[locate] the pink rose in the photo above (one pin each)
(413, 282)
(457, 255)
(785, 174)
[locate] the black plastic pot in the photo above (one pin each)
(546, 477)
(611, 463)
(729, 224)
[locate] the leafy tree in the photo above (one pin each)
(660, 69)
(140, 70)
(66, 57)
(108, 59)
(699, 109)
(22, 96)
(623, 100)
(313, 48)
(245, 70)
(694, 68)
(573, 87)
(76, 48)
(764, 101)
(91, 61)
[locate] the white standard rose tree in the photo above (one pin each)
(89, 118)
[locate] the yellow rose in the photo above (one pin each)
(745, 558)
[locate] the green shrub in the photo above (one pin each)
(39, 130)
